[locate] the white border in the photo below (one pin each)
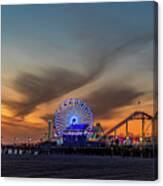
(62, 182)
(58, 1)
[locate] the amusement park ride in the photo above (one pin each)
(73, 124)
(72, 131)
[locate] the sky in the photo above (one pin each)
(101, 53)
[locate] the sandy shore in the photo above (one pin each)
(77, 166)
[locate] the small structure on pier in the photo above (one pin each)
(75, 135)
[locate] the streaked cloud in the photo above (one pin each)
(105, 100)
(53, 83)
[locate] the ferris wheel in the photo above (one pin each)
(72, 112)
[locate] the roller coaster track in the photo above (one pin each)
(138, 115)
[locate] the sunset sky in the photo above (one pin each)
(100, 53)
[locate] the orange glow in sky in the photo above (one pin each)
(97, 53)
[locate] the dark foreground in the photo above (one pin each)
(78, 166)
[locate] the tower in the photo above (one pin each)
(50, 125)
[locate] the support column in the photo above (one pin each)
(49, 129)
(154, 130)
(115, 133)
(142, 130)
(126, 129)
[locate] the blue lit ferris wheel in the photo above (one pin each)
(72, 112)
